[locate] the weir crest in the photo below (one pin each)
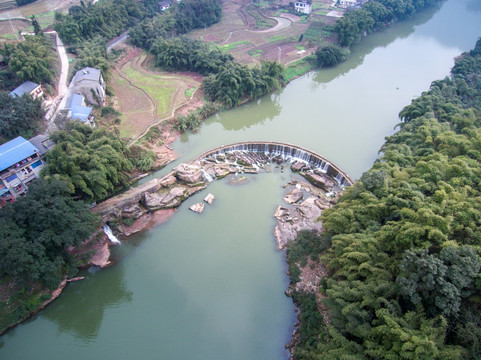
(287, 152)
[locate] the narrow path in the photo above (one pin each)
(163, 119)
(157, 121)
(154, 105)
(62, 89)
(282, 23)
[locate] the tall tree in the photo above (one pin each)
(37, 229)
(92, 161)
(20, 116)
(33, 60)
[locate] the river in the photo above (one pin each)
(211, 286)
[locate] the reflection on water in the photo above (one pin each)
(397, 31)
(258, 112)
(91, 297)
(210, 286)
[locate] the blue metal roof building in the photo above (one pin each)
(77, 109)
(80, 112)
(25, 88)
(14, 151)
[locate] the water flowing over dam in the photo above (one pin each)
(287, 152)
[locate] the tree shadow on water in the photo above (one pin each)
(80, 310)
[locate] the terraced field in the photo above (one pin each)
(147, 97)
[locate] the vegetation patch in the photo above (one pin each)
(190, 92)
(299, 68)
(261, 21)
(255, 53)
(232, 46)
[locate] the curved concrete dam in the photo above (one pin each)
(287, 152)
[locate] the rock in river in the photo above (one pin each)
(169, 198)
(189, 173)
(198, 207)
(319, 180)
(133, 211)
(209, 199)
(293, 196)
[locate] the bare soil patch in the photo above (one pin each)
(249, 46)
(147, 97)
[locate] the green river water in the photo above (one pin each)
(211, 286)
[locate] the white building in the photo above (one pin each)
(303, 7)
(348, 3)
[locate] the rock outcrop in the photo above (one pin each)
(133, 211)
(293, 196)
(319, 180)
(304, 216)
(169, 198)
(189, 173)
(209, 199)
(197, 207)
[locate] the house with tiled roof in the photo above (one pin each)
(89, 83)
(28, 87)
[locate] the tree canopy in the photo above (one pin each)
(20, 116)
(32, 59)
(374, 15)
(93, 162)
(37, 229)
(404, 262)
(104, 18)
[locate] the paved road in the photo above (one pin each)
(117, 41)
(62, 87)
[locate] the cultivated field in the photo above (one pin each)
(261, 31)
(18, 18)
(147, 97)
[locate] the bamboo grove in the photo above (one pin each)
(404, 256)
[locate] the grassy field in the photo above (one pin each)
(146, 97)
(299, 68)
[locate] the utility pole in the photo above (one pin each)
(279, 53)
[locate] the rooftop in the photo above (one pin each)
(42, 143)
(87, 73)
(25, 88)
(80, 112)
(76, 100)
(14, 151)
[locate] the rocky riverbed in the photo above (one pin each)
(131, 211)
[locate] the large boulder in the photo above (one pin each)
(189, 173)
(222, 169)
(293, 196)
(168, 181)
(309, 210)
(198, 208)
(164, 199)
(298, 166)
(320, 181)
(133, 211)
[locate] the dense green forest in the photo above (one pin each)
(93, 162)
(32, 59)
(404, 242)
(105, 18)
(20, 116)
(375, 15)
(37, 229)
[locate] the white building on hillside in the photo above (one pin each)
(303, 6)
